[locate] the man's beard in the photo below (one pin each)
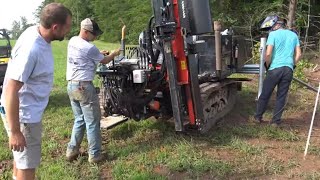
(57, 37)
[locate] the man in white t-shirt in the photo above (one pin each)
(82, 60)
(27, 85)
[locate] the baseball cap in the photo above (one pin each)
(92, 26)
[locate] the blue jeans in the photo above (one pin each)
(282, 78)
(86, 109)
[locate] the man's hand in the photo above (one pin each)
(116, 52)
(111, 56)
(266, 66)
(17, 142)
(268, 56)
(105, 52)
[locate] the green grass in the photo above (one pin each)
(151, 149)
(311, 176)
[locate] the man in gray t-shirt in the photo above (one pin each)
(82, 61)
(27, 85)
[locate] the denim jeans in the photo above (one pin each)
(86, 109)
(280, 77)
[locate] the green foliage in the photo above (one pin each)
(300, 67)
(42, 5)
(80, 9)
(249, 12)
(256, 53)
(19, 26)
(136, 13)
(299, 72)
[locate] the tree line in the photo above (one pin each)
(244, 14)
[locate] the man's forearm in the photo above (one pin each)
(109, 58)
(297, 55)
(268, 55)
(12, 110)
(297, 58)
(268, 60)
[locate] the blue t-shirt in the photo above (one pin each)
(284, 43)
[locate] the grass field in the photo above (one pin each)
(150, 149)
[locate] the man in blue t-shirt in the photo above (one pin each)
(282, 54)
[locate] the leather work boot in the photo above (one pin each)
(72, 154)
(258, 120)
(275, 125)
(96, 159)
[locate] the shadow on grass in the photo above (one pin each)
(59, 99)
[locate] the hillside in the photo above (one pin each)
(244, 15)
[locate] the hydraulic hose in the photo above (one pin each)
(149, 43)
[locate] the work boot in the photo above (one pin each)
(275, 125)
(258, 120)
(97, 159)
(72, 154)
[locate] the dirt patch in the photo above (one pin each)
(106, 172)
(5, 165)
(300, 122)
(313, 75)
(161, 170)
(221, 154)
(234, 118)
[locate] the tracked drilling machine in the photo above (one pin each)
(180, 69)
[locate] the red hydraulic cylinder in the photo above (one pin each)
(181, 61)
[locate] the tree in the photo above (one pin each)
(291, 14)
(134, 13)
(42, 5)
(19, 26)
(244, 16)
(80, 9)
(15, 30)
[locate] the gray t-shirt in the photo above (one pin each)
(82, 59)
(31, 63)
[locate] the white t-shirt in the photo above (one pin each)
(31, 63)
(82, 59)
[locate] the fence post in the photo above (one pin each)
(261, 67)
